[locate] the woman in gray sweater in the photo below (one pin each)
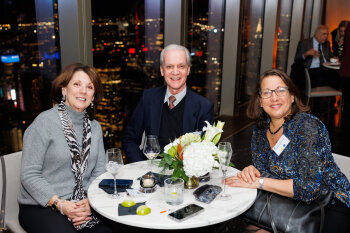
(63, 153)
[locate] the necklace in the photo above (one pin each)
(273, 133)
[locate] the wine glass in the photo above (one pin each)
(151, 148)
(224, 154)
(114, 162)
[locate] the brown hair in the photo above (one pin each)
(257, 113)
(343, 24)
(64, 78)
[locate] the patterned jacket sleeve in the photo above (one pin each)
(314, 153)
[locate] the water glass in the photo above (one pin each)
(224, 154)
(114, 161)
(174, 191)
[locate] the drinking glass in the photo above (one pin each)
(151, 148)
(114, 162)
(224, 154)
(174, 191)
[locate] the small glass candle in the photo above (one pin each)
(147, 181)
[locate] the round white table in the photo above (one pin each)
(334, 66)
(215, 212)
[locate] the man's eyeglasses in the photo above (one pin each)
(267, 93)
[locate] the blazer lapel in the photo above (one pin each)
(156, 110)
(310, 45)
(189, 120)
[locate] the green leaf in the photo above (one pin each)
(162, 154)
(168, 159)
(183, 175)
(177, 173)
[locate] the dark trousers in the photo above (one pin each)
(37, 219)
(324, 77)
(337, 218)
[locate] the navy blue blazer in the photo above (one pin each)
(148, 114)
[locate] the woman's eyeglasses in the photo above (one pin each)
(279, 91)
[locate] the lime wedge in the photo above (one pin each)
(128, 203)
(173, 195)
(143, 210)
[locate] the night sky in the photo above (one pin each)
(11, 10)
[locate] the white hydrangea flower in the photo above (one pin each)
(198, 158)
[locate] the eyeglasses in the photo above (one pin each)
(267, 93)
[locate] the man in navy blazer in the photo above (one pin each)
(159, 113)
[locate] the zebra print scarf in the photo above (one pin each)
(79, 160)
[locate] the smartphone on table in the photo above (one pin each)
(186, 212)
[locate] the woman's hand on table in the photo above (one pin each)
(235, 181)
(249, 174)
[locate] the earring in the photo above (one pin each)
(92, 104)
(63, 98)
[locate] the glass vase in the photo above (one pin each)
(192, 183)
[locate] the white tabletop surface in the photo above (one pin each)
(215, 212)
(335, 66)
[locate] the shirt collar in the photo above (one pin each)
(315, 43)
(179, 96)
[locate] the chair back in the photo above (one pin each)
(12, 166)
(343, 163)
(307, 85)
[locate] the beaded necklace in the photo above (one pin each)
(273, 133)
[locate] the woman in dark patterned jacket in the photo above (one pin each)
(293, 147)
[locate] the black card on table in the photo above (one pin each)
(108, 185)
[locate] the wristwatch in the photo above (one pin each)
(54, 204)
(261, 182)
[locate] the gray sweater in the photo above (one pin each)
(46, 160)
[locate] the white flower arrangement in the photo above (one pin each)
(198, 158)
(193, 156)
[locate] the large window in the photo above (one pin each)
(205, 42)
(251, 36)
(127, 40)
(284, 20)
(29, 62)
(308, 9)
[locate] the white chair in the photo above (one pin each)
(343, 163)
(12, 166)
(324, 91)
